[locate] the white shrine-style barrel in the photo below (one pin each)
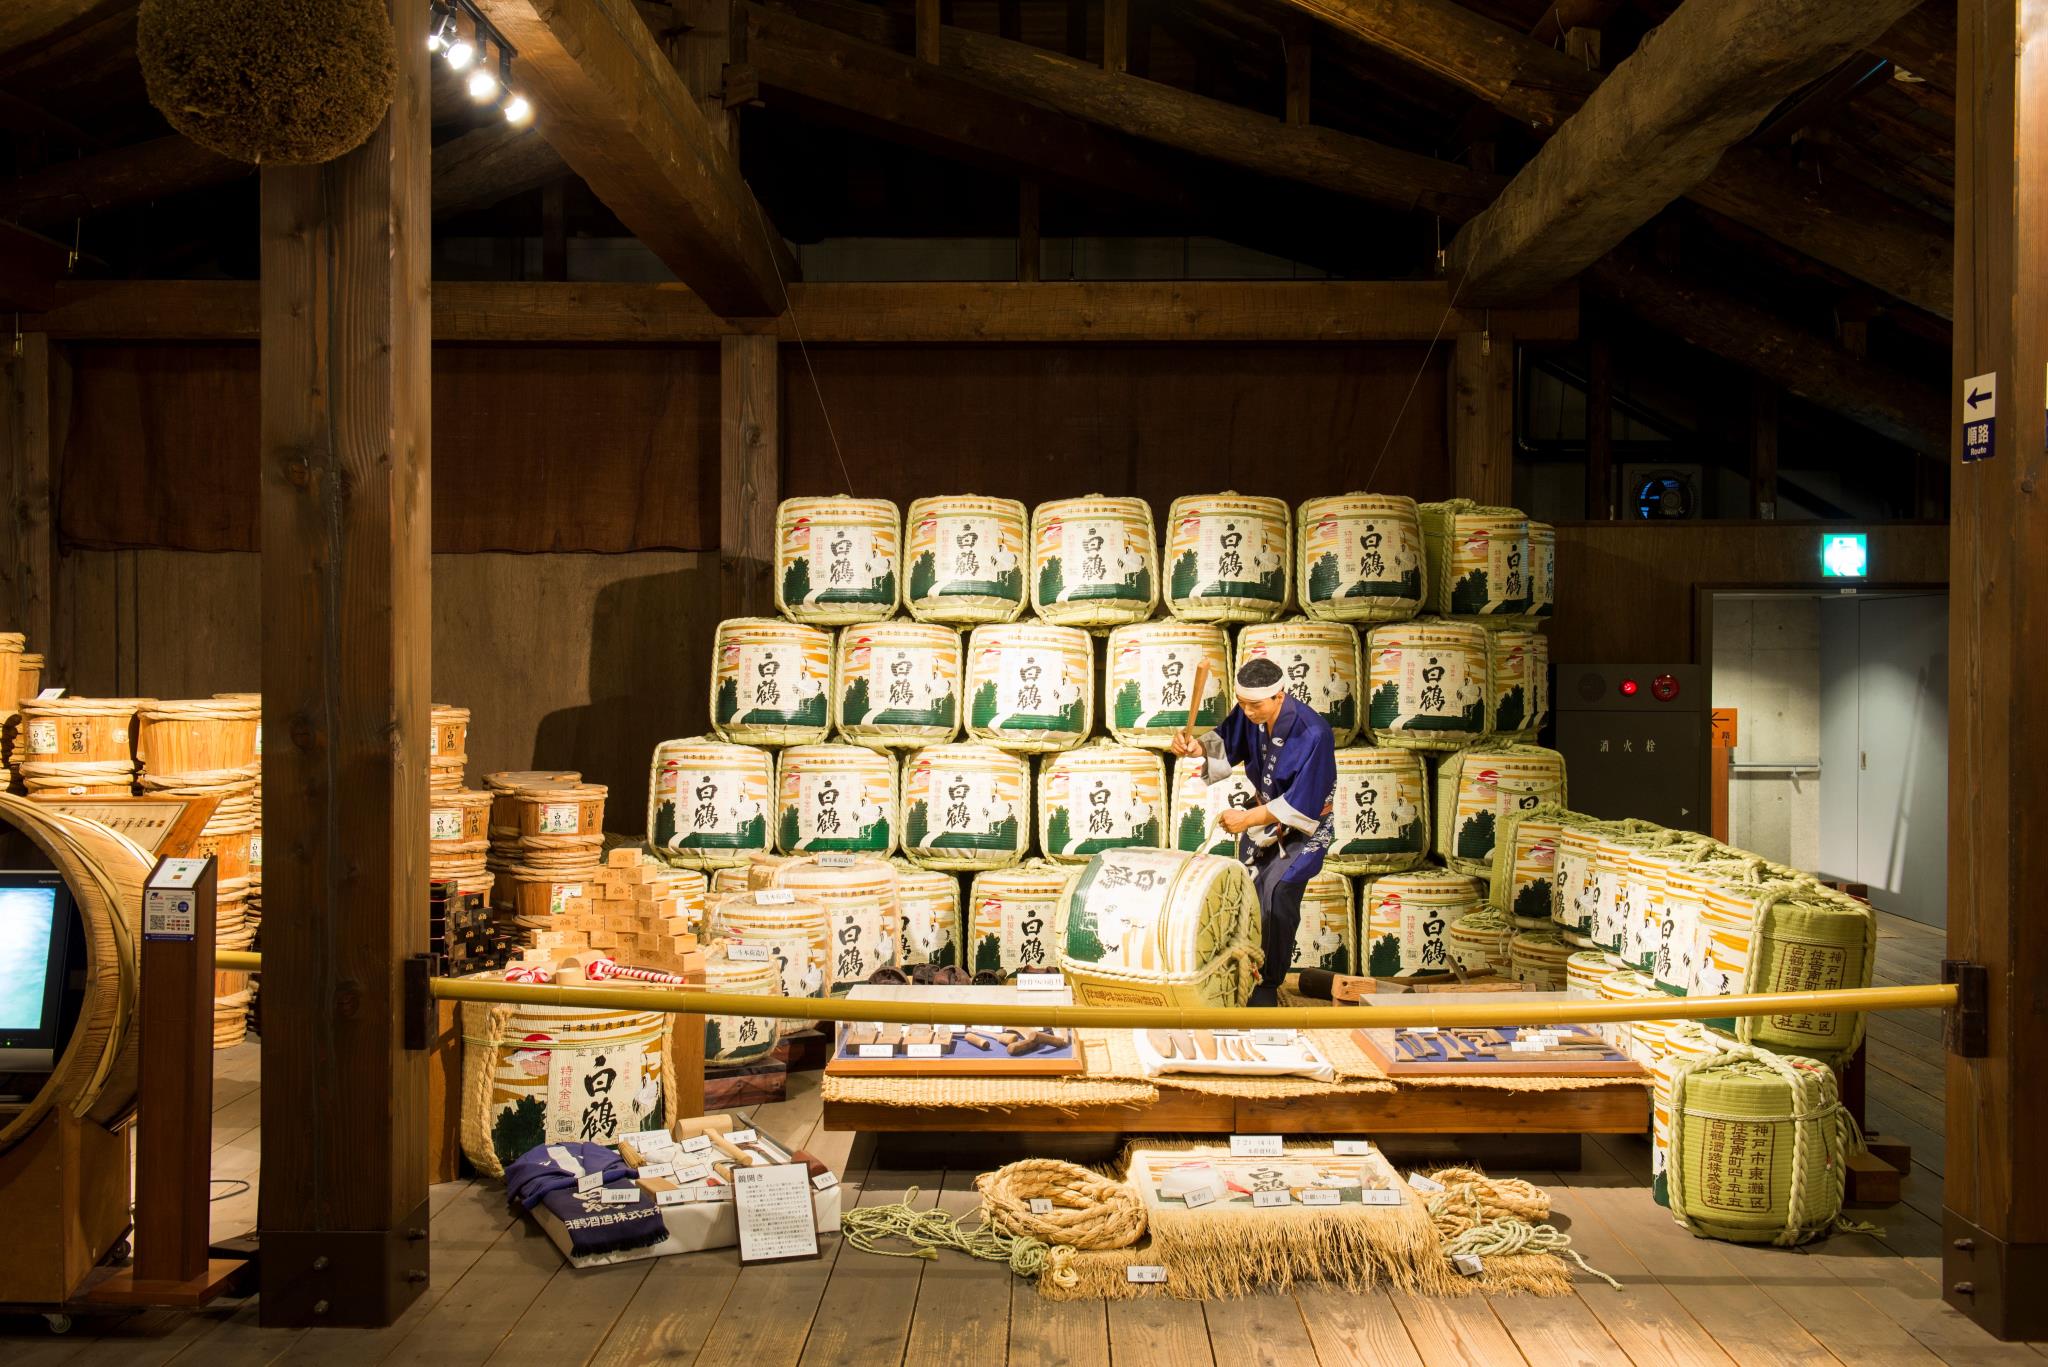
(1319, 665)
(771, 682)
(1478, 560)
(708, 802)
(965, 807)
(964, 559)
(1094, 561)
(1361, 558)
(1379, 811)
(1099, 797)
(1228, 558)
(1161, 928)
(897, 684)
(1151, 668)
(1407, 918)
(1030, 686)
(1429, 684)
(835, 559)
(835, 798)
(1011, 915)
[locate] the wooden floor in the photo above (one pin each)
(500, 1293)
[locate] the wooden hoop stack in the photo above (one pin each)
(19, 678)
(546, 841)
(78, 747)
(97, 1073)
(206, 747)
(447, 748)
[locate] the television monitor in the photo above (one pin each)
(35, 931)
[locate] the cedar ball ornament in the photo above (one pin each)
(291, 84)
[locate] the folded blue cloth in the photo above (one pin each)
(553, 1167)
(550, 1174)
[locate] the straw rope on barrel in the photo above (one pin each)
(1160, 928)
(79, 747)
(1479, 787)
(1478, 561)
(96, 1074)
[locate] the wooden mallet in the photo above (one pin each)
(1187, 730)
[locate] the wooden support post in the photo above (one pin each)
(344, 473)
(1995, 1190)
(706, 47)
(1599, 425)
(1482, 422)
(27, 442)
(1028, 247)
(1298, 55)
(928, 31)
(1116, 35)
(750, 473)
(1763, 449)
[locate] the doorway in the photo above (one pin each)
(1841, 720)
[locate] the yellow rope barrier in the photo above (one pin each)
(1420, 1014)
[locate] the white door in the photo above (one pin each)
(1902, 735)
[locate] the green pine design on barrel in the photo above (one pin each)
(915, 818)
(1409, 837)
(1058, 831)
(1469, 595)
(1334, 960)
(1002, 837)
(752, 835)
(1475, 837)
(1050, 581)
(988, 954)
(1384, 960)
(520, 1128)
(923, 574)
(728, 703)
(1343, 713)
(796, 580)
(1182, 582)
(1322, 578)
(1128, 702)
(983, 712)
(1193, 822)
(786, 830)
(810, 713)
(1533, 900)
(1386, 706)
(664, 824)
(1507, 712)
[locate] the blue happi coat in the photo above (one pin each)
(1293, 768)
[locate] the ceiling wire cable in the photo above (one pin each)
(796, 325)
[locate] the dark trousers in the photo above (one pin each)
(1280, 918)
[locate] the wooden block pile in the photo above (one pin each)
(636, 911)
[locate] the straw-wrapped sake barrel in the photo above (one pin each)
(1523, 880)
(1428, 683)
(1742, 1124)
(965, 807)
(1478, 560)
(1326, 937)
(517, 1059)
(708, 802)
(1790, 935)
(931, 914)
(859, 896)
(794, 933)
(835, 559)
(835, 797)
(1479, 787)
(1379, 811)
(1011, 915)
(1228, 558)
(1407, 917)
(1100, 797)
(1520, 671)
(897, 684)
(1536, 959)
(1361, 558)
(1151, 668)
(1030, 687)
(964, 558)
(1197, 803)
(1094, 561)
(1161, 928)
(1542, 570)
(1319, 665)
(734, 1041)
(770, 681)
(1686, 1044)
(1480, 942)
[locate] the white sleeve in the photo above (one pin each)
(1288, 816)
(1215, 763)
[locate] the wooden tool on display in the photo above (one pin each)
(1187, 730)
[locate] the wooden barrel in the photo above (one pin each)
(95, 1075)
(17, 679)
(1011, 914)
(1360, 558)
(964, 559)
(1229, 557)
(897, 684)
(196, 736)
(1100, 797)
(1150, 674)
(557, 814)
(1515, 668)
(1161, 928)
(836, 559)
(734, 1041)
(79, 747)
(1319, 665)
(1478, 560)
(1094, 561)
(859, 896)
(447, 746)
(1523, 879)
(1030, 686)
(1687, 1044)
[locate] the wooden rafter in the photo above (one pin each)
(490, 165)
(1902, 253)
(23, 22)
(1653, 131)
(622, 118)
(110, 180)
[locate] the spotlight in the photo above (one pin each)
(444, 30)
(482, 85)
(461, 53)
(518, 112)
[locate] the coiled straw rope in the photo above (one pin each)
(865, 1227)
(1492, 1217)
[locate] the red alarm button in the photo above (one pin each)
(1664, 688)
(1629, 688)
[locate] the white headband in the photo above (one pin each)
(1246, 693)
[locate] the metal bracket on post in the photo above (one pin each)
(421, 1019)
(1966, 1027)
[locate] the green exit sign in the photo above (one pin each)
(1844, 555)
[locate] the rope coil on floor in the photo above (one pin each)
(1493, 1217)
(928, 1231)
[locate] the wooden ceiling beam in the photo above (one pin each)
(491, 164)
(1890, 404)
(114, 179)
(1222, 132)
(1902, 253)
(1192, 311)
(928, 105)
(1653, 131)
(23, 22)
(1923, 43)
(619, 114)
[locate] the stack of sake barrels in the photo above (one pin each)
(78, 747)
(1027, 704)
(206, 748)
(20, 677)
(544, 833)
(255, 898)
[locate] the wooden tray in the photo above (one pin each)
(966, 1060)
(1446, 1060)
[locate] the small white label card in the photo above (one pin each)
(774, 1207)
(743, 954)
(923, 1051)
(877, 1051)
(774, 897)
(1149, 1274)
(835, 861)
(1197, 1197)
(1272, 1198)
(590, 1181)
(1041, 1205)
(1469, 1264)
(49, 695)
(619, 1196)
(1255, 1146)
(1322, 1196)
(1526, 1044)
(696, 1172)
(657, 1169)
(1379, 1196)
(674, 1196)
(1040, 982)
(1351, 1148)
(1421, 1183)
(1273, 1038)
(825, 1181)
(741, 1137)
(696, 1143)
